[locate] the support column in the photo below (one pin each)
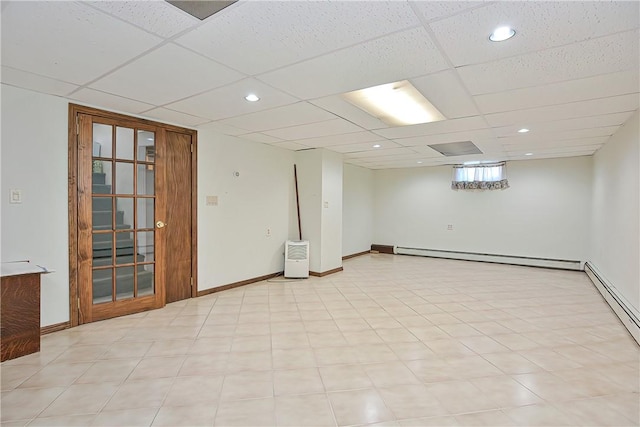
(320, 194)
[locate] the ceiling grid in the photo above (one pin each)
(570, 74)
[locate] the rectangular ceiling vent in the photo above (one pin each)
(451, 149)
(201, 9)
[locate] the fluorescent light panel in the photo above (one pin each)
(396, 104)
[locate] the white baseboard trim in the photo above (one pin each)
(629, 316)
(501, 259)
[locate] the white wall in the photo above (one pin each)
(357, 210)
(232, 237)
(34, 160)
(544, 214)
(615, 229)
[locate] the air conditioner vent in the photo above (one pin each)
(456, 148)
(297, 252)
(201, 9)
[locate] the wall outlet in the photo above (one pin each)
(326, 204)
(268, 232)
(212, 200)
(15, 196)
(450, 227)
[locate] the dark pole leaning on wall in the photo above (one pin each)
(295, 177)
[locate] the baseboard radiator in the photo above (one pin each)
(629, 316)
(500, 259)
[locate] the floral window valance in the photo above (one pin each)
(488, 176)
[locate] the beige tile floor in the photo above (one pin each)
(392, 340)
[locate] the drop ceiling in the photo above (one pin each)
(570, 75)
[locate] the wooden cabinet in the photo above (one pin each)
(20, 315)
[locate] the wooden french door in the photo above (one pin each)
(135, 238)
(178, 230)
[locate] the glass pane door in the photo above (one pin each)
(123, 203)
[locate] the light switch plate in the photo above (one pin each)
(15, 196)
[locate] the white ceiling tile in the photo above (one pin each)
(360, 162)
(363, 146)
(260, 36)
(175, 117)
(401, 164)
(488, 143)
(390, 153)
(434, 10)
(552, 143)
(444, 126)
(348, 138)
(392, 162)
(228, 101)
(399, 56)
(260, 137)
(222, 128)
(426, 152)
(601, 86)
(610, 54)
(68, 41)
(603, 120)
(329, 127)
(342, 108)
(158, 17)
(443, 138)
(538, 26)
(289, 115)
(447, 94)
(372, 166)
(580, 150)
(34, 82)
(594, 107)
(543, 134)
(167, 74)
(290, 145)
(520, 156)
(106, 100)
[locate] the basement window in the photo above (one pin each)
(485, 176)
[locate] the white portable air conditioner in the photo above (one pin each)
(296, 259)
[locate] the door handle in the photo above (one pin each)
(160, 224)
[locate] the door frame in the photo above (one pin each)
(74, 110)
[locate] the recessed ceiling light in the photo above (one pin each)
(528, 154)
(523, 130)
(501, 34)
(396, 104)
(377, 146)
(419, 162)
(252, 97)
